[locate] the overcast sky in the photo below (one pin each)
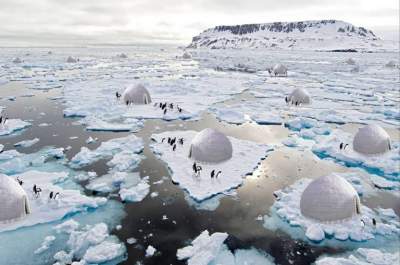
(80, 22)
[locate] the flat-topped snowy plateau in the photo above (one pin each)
(315, 35)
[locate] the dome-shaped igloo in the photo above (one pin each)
(136, 94)
(71, 59)
(17, 60)
(391, 64)
(210, 146)
(279, 70)
(186, 55)
(350, 61)
(14, 203)
(329, 198)
(371, 139)
(299, 96)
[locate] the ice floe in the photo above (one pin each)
(27, 143)
(362, 256)
(245, 158)
(44, 209)
(89, 245)
(130, 145)
(286, 213)
(12, 126)
(209, 249)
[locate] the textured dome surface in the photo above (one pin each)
(279, 69)
(136, 94)
(211, 146)
(300, 95)
(329, 198)
(13, 200)
(371, 139)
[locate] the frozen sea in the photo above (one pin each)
(149, 215)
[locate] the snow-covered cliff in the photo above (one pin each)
(302, 35)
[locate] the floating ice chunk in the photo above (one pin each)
(230, 116)
(245, 158)
(12, 126)
(67, 226)
(135, 193)
(210, 250)
(131, 240)
(90, 140)
(104, 252)
(94, 124)
(27, 143)
(107, 149)
(125, 161)
(203, 249)
(150, 251)
(45, 210)
(315, 233)
(46, 244)
(362, 256)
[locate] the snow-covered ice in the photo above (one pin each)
(362, 256)
(245, 158)
(359, 228)
(130, 145)
(13, 126)
(44, 209)
(210, 249)
(27, 143)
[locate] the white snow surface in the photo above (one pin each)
(209, 249)
(89, 245)
(245, 158)
(287, 209)
(27, 143)
(13, 126)
(130, 145)
(44, 209)
(363, 256)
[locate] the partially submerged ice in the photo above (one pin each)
(362, 256)
(125, 148)
(381, 164)
(210, 249)
(44, 209)
(245, 158)
(13, 126)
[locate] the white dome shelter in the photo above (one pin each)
(330, 198)
(136, 94)
(14, 203)
(391, 64)
(71, 59)
(210, 146)
(278, 70)
(123, 56)
(186, 55)
(350, 61)
(17, 60)
(299, 96)
(371, 139)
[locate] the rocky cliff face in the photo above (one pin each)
(302, 35)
